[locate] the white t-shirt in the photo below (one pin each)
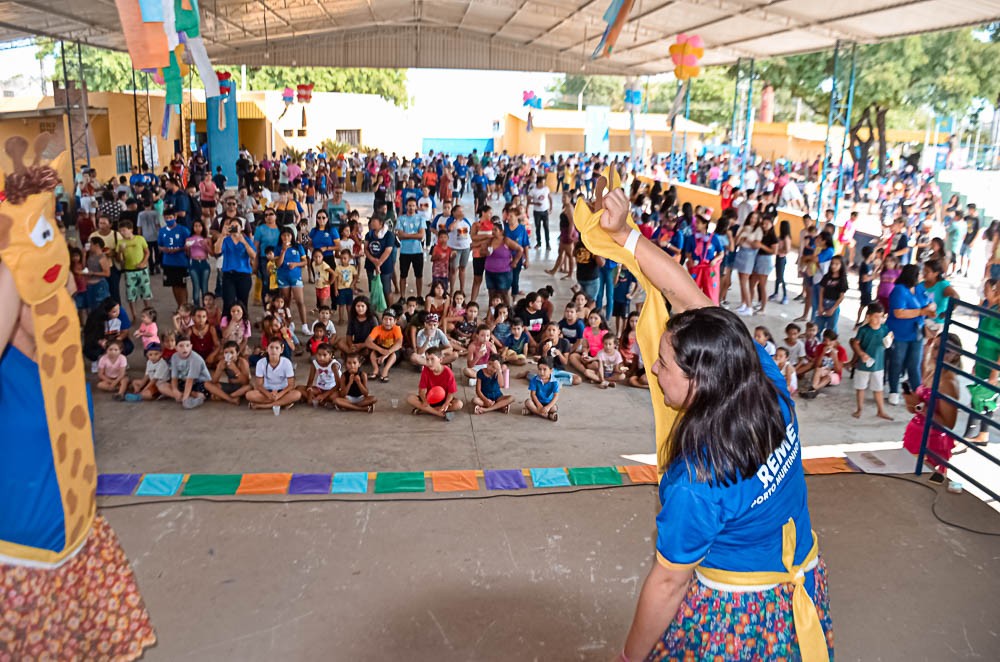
(490, 172)
(283, 173)
(326, 376)
(750, 179)
(539, 198)
(159, 371)
(425, 208)
(439, 339)
(331, 330)
(795, 352)
(275, 378)
(460, 234)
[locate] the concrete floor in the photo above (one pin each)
(550, 578)
(540, 578)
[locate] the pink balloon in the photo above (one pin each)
(158, 77)
(695, 41)
(690, 60)
(682, 38)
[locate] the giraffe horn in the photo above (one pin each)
(16, 147)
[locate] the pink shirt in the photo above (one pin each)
(115, 369)
(197, 247)
(149, 334)
(595, 341)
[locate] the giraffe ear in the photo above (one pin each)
(16, 147)
(41, 142)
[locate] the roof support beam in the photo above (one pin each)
(513, 16)
(569, 17)
(49, 11)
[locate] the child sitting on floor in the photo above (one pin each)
(829, 364)
(352, 392)
(465, 327)
(211, 306)
(111, 370)
(543, 392)
(274, 385)
(319, 337)
(489, 397)
(436, 390)
(147, 331)
(383, 343)
(480, 349)
(183, 319)
(787, 369)
(231, 379)
(188, 374)
(611, 368)
(764, 338)
(157, 374)
(429, 337)
(324, 377)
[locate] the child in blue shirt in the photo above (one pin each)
(517, 344)
(488, 396)
(543, 392)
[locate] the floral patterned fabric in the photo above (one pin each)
(87, 609)
(719, 626)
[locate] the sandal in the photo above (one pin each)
(478, 409)
(506, 409)
(414, 412)
(371, 409)
(553, 416)
(384, 380)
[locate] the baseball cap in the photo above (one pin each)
(432, 317)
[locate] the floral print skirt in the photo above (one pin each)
(720, 626)
(89, 608)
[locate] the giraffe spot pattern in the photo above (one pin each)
(88, 473)
(75, 468)
(61, 448)
(60, 402)
(69, 358)
(77, 529)
(71, 502)
(48, 307)
(78, 417)
(49, 365)
(51, 334)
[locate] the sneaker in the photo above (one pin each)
(784, 301)
(93, 367)
(306, 330)
(744, 310)
(894, 399)
(193, 403)
(773, 297)
(133, 397)
(449, 416)
(955, 487)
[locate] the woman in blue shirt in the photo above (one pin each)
(237, 256)
(325, 238)
(907, 309)
(735, 552)
(290, 262)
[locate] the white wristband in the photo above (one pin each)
(633, 239)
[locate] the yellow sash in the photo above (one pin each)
(812, 640)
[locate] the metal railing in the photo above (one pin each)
(936, 395)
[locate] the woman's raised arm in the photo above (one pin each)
(663, 272)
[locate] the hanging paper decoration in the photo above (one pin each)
(288, 96)
(531, 123)
(305, 92)
(530, 100)
(633, 96)
(685, 55)
(163, 39)
(615, 16)
(305, 95)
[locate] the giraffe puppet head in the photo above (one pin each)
(30, 243)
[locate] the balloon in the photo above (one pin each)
(435, 395)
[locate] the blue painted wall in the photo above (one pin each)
(456, 146)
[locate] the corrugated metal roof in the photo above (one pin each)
(529, 35)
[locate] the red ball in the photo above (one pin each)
(435, 394)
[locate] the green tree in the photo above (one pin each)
(711, 94)
(944, 73)
(110, 71)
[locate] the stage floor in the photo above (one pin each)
(542, 577)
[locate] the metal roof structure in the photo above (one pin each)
(524, 35)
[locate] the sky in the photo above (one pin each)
(484, 95)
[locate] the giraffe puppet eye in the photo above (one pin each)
(43, 232)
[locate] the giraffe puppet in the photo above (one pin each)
(64, 579)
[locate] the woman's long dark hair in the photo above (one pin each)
(352, 315)
(840, 280)
(732, 421)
